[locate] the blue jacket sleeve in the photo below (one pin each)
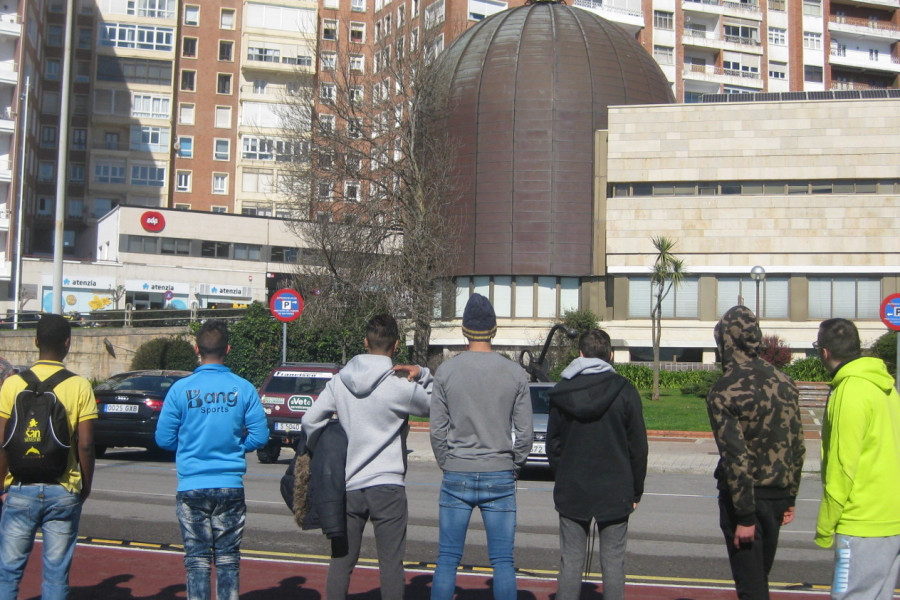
(255, 422)
(169, 420)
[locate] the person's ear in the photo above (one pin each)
(366, 344)
(612, 356)
(196, 349)
(227, 349)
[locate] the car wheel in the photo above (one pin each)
(268, 454)
(99, 451)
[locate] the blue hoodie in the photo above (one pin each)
(211, 419)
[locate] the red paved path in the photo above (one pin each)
(117, 573)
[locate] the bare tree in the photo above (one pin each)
(668, 273)
(374, 181)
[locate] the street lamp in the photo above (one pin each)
(757, 274)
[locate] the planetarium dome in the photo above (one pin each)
(529, 87)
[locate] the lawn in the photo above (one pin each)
(675, 411)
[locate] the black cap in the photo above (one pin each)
(479, 321)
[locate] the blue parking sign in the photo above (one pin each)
(890, 312)
(286, 305)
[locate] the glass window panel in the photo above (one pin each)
(524, 297)
(843, 298)
(462, 295)
(686, 298)
(819, 298)
(482, 285)
(568, 294)
(776, 298)
(844, 187)
(503, 296)
(728, 294)
(865, 187)
(868, 303)
(546, 307)
(639, 297)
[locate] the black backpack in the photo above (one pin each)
(37, 439)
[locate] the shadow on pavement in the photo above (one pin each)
(289, 588)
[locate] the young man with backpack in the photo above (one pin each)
(43, 410)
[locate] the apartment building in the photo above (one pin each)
(11, 56)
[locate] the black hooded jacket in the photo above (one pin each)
(597, 446)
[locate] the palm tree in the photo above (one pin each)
(668, 273)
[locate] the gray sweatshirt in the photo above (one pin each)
(480, 414)
(373, 404)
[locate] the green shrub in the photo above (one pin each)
(640, 376)
(701, 384)
(885, 348)
(807, 369)
(165, 353)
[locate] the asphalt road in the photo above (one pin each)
(673, 534)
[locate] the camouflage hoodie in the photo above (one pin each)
(755, 419)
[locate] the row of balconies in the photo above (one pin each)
(745, 10)
(864, 59)
(716, 74)
(864, 28)
(719, 41)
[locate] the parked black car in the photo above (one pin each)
(128, 407)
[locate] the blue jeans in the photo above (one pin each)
(212, 525)
(57, 512)
(493, 493)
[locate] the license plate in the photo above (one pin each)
(120, 408)
(287, 426)
(538, 448)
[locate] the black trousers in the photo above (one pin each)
(751, 563)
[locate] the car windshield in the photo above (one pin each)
(295, 385)
(156, 384)
(540, 400)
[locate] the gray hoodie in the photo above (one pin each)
(586, 366)
(373, 404)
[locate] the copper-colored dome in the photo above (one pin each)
(529, 86)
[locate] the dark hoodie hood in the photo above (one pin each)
(588, 397)
(738, 336)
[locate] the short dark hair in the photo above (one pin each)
(595, 344)
(212, 338)
(841, 338)
(382, 332)
(52, 332)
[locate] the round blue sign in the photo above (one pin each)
(890, 312)
(286, 305)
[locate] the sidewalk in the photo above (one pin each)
(670, 452)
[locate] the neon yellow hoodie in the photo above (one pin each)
(861, 454)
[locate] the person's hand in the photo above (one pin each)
(744, 534)
(412, 371)
(788, 516)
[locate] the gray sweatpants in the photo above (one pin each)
(573, 536)
(865, 568)
(386, 507)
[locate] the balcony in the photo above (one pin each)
(744, 10)
(717, 41)
(284, 64)
(855, 86)
(626, 13)
(271, 92)
(863, 60)
(9, 73)
(858, 28)
(6, 170)
(873, 3)
(715, 74)
(10, 25)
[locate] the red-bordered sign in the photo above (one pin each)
(286, 305)
(890, 312)
(153, 221)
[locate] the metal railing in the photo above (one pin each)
(863, 23)
(131, 317)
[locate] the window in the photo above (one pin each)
(664, 55)
(183, 181)
(663, 20)
(358, 5)
(158, 9)
(812, 40)
(812, 74)
(223, 117)
(351, 191)
(220, 183)
(357, 33)
(79, 139)
(812, 8)
(329, 61)
(326, 123)
(150, 175)
(185, 146)
(354, 128)
(357, 62)
(76, 173)
(103, 206)
(247, 252)
(149, 138)
(680, 303)
(257, 181)
(226, 51)
(331, 4)
(143, 37)
(188, 80)
(48, 136)
(54, 35)
(151, 105)
(223, 83)
(85, 37)
(189, 47)
(143, 244)
(253, 148)
(777, 70)
(260, 53)
(176, 246)
(51, 69)
(226, 18)
(356, 93)
(434, 15)
(222, 149)
(324, 192)
(109, 171)
(186, 114)
(330, 29)
(215, 249)
(327, 92)
(283, 254)
(191, 15)
(773, 295)
(777, 36)
(846, 297)
(82, 71)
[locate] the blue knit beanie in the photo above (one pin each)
(479, 321)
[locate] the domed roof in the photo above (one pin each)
(529, 87)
